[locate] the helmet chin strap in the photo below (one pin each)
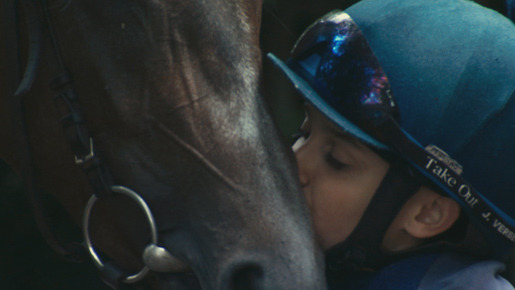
(362, 249)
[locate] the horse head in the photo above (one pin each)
(167, 92)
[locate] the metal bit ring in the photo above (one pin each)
(85, 229)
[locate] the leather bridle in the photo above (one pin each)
(41, 33)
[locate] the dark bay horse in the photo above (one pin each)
(173, 152)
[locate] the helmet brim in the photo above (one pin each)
(318, 102)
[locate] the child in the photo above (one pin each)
(407, 151)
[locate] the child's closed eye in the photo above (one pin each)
(334, 162)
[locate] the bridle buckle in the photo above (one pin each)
(88, 157)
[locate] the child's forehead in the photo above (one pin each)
(333, 128)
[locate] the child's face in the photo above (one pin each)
(339, 176)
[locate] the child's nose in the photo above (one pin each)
(303, 164)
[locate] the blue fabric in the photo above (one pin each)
(405, 274)
(452, 271)
(430, 272)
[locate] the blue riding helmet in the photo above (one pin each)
(430, 81)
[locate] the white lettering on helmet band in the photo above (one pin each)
(504, 230)
(464, 191)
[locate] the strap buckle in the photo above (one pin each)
(88, 157)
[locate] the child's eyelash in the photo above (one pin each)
(333, 162)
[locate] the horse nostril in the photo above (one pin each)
(248, 277)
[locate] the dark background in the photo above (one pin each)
(26, 262)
